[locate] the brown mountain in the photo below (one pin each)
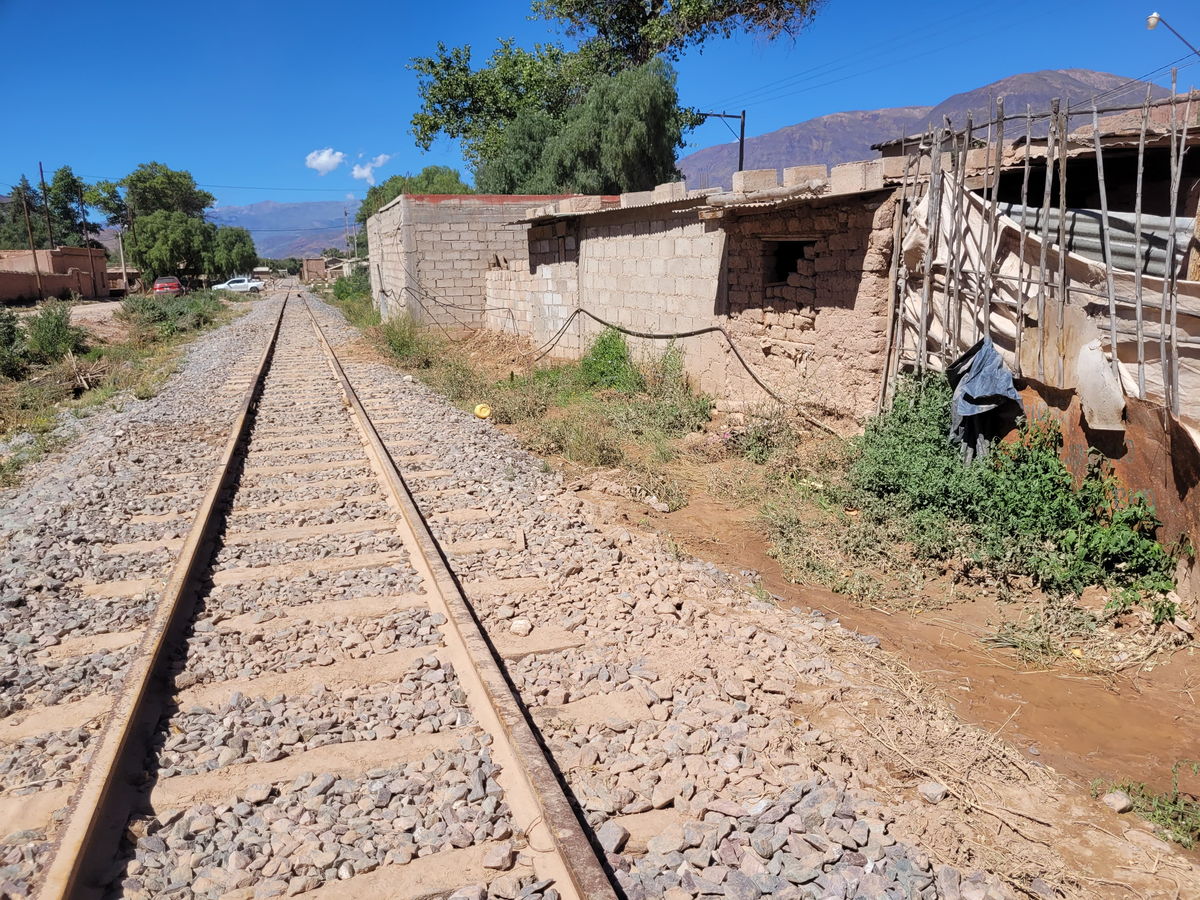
(848, 136)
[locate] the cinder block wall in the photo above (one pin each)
(430, 253)
(817, 337)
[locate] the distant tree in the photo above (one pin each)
(13, 235)
(150, 188)
(334, 252)
(171, 243)
(232, 253)
(622, 137)
(430, 180)
(63, 197)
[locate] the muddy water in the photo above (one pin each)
(1083, 727)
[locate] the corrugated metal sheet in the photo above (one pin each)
(1083, 236)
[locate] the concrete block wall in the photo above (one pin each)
(537, 304)
(430, 254)
(820, 336)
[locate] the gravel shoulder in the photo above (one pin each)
(676, 699)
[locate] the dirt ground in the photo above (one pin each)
(98, 318)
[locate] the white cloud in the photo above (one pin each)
(367, 172)
(325, 161)
(349, 196)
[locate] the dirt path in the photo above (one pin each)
(1083, 727)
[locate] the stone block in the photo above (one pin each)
(797, 175)
(672, 190)
(852, 177)
(755, 180)
(637, 198)
(589, 203)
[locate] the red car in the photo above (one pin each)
(167, 285)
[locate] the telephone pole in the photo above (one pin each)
(37, 271)
(46, 205)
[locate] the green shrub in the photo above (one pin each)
(358, 284)
(409, 341)
(607, 364)
(12, 345)
(50, 336)
(168, 316)
(1018, 511)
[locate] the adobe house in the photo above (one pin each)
(83, 270)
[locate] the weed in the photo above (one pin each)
(50, 336)
(579, 437)
(157, 318)
(12, 345)
(409, 342)
(1017, 512)
(1175, 813)
(652, 481)
(608, 364)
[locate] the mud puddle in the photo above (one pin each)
(1083, 727)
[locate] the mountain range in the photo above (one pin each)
(291, 229)
(304, 229)
(848, 136)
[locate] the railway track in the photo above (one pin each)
(312, 705)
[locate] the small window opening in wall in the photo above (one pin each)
(781, 258)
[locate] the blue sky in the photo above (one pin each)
(242, 93)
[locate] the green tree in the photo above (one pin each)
(171, 243)
(12, 218)
(622, 137)
(232, 253)
(150, 188)
(430, 180)
(625, 33)
(63, 196)
(475, 106)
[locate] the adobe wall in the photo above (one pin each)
(90, 278)
(820, 337)
(23, 286)
(430, 253)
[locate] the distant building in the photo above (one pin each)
(82, 270)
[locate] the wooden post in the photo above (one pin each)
(954, 320)
(1063, 146)
(124, 271)
(1021, 253)
(990, 251)
(1045, 223)
(83, 238)
(952, 243)
(1164, 365)
(346, 225)
(1106, 242)
(1137, 252)
(895, 299)
(1178, 175)
(46, 206)
(37, 271)
(933, 218)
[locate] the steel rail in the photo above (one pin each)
(75, 843)
(572, 852)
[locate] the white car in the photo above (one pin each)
(241, 285)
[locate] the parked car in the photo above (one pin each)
(241, 285)
(168, 284)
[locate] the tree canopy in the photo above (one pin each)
(621, 137)
(151, 187)
(62, 194)
(430, 180)
(477, 106)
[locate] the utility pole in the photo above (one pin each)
(741, 136)
(742, 144)
(346, 224)
(83, 238)
(37, 271)
(46, 205)
(124, 271)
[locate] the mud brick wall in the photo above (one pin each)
(819, 335)
(430, 253)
